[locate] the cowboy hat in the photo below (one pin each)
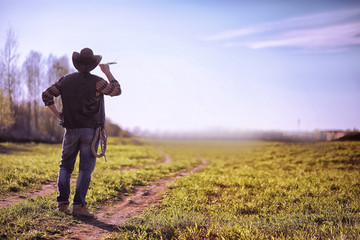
(85, 61)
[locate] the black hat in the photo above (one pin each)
(85, 61)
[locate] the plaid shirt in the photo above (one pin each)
(102, 87)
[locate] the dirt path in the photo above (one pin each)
(51, 187)
(43, 190)
(110, 217)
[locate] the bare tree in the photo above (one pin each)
(6, 113)
(9, 63)
(8, 80)
(32, 71)
(2, 75)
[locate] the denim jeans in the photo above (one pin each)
(75, 141)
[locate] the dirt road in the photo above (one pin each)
(109, 218)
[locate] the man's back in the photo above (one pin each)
(82, 108)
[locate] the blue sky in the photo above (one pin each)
(205, 65)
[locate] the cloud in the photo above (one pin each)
(330, 30)
(326, 37)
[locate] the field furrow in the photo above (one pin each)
(110, 218)
(43, 189)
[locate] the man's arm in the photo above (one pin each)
(55, 111)
(106, 70)
(48, 98)
(111, 88)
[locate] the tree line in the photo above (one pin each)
(23, 116)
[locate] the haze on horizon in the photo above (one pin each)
(209, 65)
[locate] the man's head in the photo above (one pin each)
(85, 61)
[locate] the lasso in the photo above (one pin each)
(100, 134)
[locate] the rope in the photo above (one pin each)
(100, 134)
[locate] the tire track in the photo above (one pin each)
(51, 187)
(43, 190)
(109, 218)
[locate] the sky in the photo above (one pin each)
(205, 65)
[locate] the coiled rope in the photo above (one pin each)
(100, 134)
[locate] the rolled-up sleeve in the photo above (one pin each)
(112, 89)
(52, 91)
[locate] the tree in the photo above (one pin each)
(57, 67)
(32, 71)
(2, 74)
(6, 114)
(9, 64)
(112, 129)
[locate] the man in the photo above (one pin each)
(82, 95)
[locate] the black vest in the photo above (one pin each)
(81, 107)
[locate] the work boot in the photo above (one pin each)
(63, 207)
(82, 211)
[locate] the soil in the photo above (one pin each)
(45, 189)
(51, 187)
(110, 218)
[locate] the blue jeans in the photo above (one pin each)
(75, 141)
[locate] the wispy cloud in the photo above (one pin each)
(330, 30)
(326, 37)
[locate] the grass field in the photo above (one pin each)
(247, 190)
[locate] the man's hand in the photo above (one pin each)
(106, 70)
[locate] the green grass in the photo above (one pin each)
(108, 182)
(37, 217)
(264, 191)
(247, 190)
(34, 218)
(25, 166)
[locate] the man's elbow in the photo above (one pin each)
(116, 93)
(44, 97)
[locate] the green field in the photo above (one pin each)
(247, 190)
